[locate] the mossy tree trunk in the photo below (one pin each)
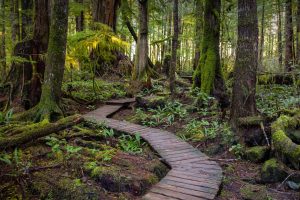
(298, 31)
(198, 35)
(2, 42)
(141, 58)
(288, 36)
(174, 47)
(55, 62)
(262, 38)
(15, 23)
(244, 86)
(208, 74)
(25, 78)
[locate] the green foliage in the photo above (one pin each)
(100, 42)
(58, 146)
(108, 133)
(273, 98)
(18, 167)
(98, 91)
(238, 150)
(5, 118)
(165, 115)
(131, 144)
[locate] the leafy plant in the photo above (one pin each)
(108, 133)
(237, 150)
(131, 144)
(6, 117)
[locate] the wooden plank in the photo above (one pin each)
(154, 196)
(184, 157)
(203, 171)
(202, 183)
(202, 166)
(189, 186)
(199, 175)
(170, 193)
(188, 161)
(194, 178)
(186, 191)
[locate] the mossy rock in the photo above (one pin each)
(151, 101)
(257, 154)
(282, 144)
(273, 171)
(294, 134)
(254, 192)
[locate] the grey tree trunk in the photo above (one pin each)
(141, 58)
(198, 34)
(80, 19)
(174, 47)
(279, 34)
(55, 61)
(288, 36)
(244, 84)
(262, 38)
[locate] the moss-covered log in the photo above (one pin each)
(282, 144)
(250, 121)
(32, 132)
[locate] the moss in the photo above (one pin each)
(254, 192)
(257, 154)
(272, 171)
(282, 143)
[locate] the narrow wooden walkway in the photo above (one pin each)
(192, 176)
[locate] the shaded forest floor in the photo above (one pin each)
(90, 161)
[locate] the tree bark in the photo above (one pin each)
(15, 23)
(298, 32)
(105, 11)
(26, 6)
(80, 19)
(32, 132)
(288, 36)
(262, 38)
(174, 47)
(141, 59)
(48, 106)
(2, 42)
(279, 34)
(245, 69)
(208, 74)
(26, 78)
(198, 35)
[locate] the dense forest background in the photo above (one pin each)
(222, 75)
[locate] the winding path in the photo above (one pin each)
(192, 176)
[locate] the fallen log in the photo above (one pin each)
(34, 131)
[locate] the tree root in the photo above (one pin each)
(32, 132)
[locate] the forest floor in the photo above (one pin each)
(90, 161)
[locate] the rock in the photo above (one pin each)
(257, 154)
(273, 171)
(254, 192)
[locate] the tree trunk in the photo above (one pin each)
(198, 35)
(2, 42)
(142, 43)
(105, 11)
(80, 19)
(279, 34)
(26, 78)
(298, 32)
(26, 6)
(174, 47)
(208, 74)
(55, 62)
(32, 132)
(262, 39)
(15, 23)
(244, 85)
(288, 36)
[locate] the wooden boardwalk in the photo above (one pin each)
(192, 176)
